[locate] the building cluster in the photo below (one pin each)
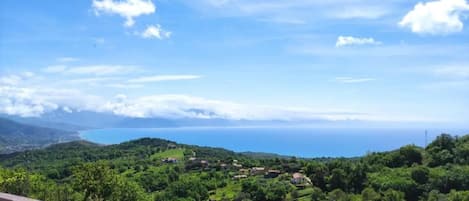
(297, 178)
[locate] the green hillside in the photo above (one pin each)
(17, 136)
(155, 169)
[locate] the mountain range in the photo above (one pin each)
(83, 120)
(16, 136)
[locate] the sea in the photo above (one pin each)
(288, 141)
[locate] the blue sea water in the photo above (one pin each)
(300, 142)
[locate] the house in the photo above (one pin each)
(204, 162)
(241, 176)
(224, 166)
(237, 165)
(192, 158)
(257, 171)
(272, 173)
(170, 160)
(244, 171)
(172, 146)
(298, 178)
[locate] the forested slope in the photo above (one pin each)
(154, 169)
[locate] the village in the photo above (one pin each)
(237, 170)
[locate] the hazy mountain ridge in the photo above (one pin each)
(16, 136)
(82, 120)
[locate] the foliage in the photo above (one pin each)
(135, 170)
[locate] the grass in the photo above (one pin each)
(171, 153)
(230, 191)
(305, 192)
(303, 195)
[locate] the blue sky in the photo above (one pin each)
(396, 60)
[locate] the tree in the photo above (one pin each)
(95, 180)
(451, 177)
(358, 177)
(338, 195)
(441, 150)
(15, 182)
(434, 195)
(98, 182)
(317, 172)
(410, 154)
(127, 191)
(152, 180)
(317, 195)
(393, 195)
(369, 194)
(420, 174)
(397, 179)
(338, 179)
(276, 191)
(461, 151)
(458, 195)
(186, 188)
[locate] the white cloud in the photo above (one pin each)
(10, 80)
(284, 20)
(173, 106)
(28, 74)
(99, 40)
(34, 101)
(350, 41)
(416, 51)
(452, 77)
(18, 102)
(67, 59)
(304, 11)
(360, 12)
(183, 106)
(436, 17)
(31, 99)
(91, 80)
(456, 71)
(100, 70)
(155, 31)
(14, 80)
(124, 86)
(351, 80)
(160, 78)
(54, 69)
(449, 85)
(129, 9)
(97, 70)
(67, 109)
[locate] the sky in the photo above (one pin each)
(392, 61)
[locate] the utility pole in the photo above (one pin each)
(426, 136)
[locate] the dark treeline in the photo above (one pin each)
(154, 169)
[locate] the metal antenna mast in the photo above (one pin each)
(426, 136)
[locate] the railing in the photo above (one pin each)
(10, 197)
